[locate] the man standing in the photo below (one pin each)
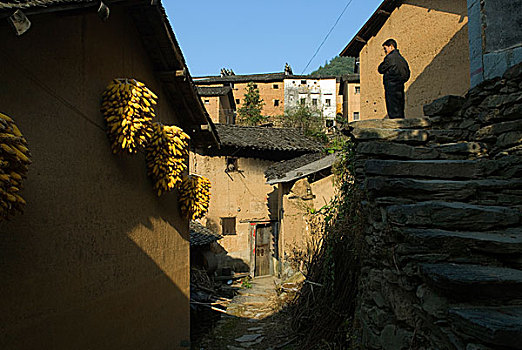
(396, 72)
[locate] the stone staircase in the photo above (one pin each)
(443, 268)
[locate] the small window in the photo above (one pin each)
(328, 102)
(276, 103)
(356, 116)
(231, 164)
(314, 102)
(207, 102)
(303, 101)
(276, 86)
(303, 82)
(238, 101)
(228, 226)
(357, 89)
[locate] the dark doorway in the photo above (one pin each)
(262, 251)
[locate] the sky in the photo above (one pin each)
(261, 36)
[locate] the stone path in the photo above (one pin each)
(253, 321)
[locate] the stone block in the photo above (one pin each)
(514, 72)
(512, 138)
(498, 101)
(395, 150)
(397, 135)
(453, 216)
(465, 148)
(444, 105)
(496, 326)
(491, 131)
(409, 123)
(395, 338)
(474, 281)
(431, 302)
(513, 112)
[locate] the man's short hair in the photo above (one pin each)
(390, 42)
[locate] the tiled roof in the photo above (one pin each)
(266, 77)
(300, 167)
(214, 90)
(279, 169)
(266, 139)
(26, 4)
(200, 235)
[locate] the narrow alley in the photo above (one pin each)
(254, 320)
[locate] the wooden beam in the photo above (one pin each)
(358, 38)
(382, 12)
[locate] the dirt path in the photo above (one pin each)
(253, 321)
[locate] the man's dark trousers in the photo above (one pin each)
(394, 95)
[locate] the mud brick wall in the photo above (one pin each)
(443, 261)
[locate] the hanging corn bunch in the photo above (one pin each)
(166, 156)
(128, 108)
(14, 162)
(194, 195)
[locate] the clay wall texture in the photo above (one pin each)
(243, 195)
(352, 101)
(213, 107)
(433, 37)
(97, 261)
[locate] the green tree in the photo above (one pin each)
(336, 67)
(309, 120)
(250, 111)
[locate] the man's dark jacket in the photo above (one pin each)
(395, 69)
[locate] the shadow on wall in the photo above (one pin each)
(226, 261)
(435, 80)
(78, 268)
(449, 6)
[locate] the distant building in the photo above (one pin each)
(318, 93)
(350, 92)
(282, 92)
(219, 103)
(433, 37)
(270, 87)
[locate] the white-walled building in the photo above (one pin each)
(315, 92)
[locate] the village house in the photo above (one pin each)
(282, 92)
(219, 103)
(432, 36)
(350, 92)
(97, 260)
(270, 85)
(318, 93)
(243, 207)
(304, 186)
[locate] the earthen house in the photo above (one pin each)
(432, 36)
(243, 207)
(219, 102)
(270, 85)
(97, 261)
(350, 90)
(304, 186)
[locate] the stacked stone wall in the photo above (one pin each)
(443, 261)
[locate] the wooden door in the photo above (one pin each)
(263, 242)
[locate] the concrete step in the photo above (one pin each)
(497, 326)
(474, 281)
(504, 242)
(455, 216)
(505, 192)
(506, 167)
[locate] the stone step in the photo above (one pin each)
(453, 216)
(412, 136)
(410, 123)
(510, 166)
(503, 191)
(497, 326)
(474, 281)
(504, 242)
